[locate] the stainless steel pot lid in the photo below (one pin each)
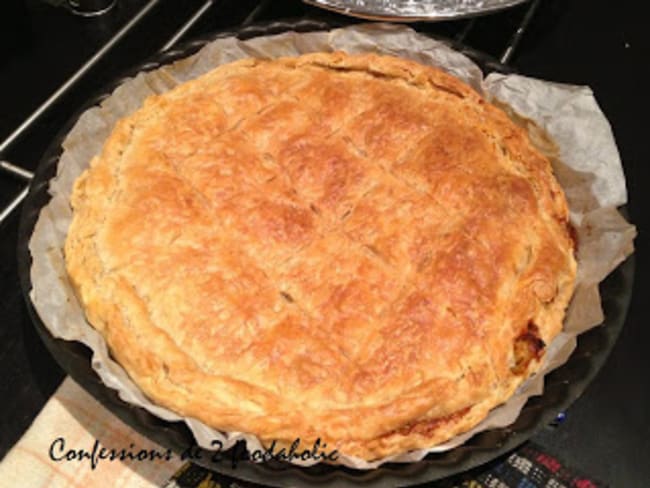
(414, 10)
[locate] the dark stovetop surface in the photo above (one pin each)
(593, 42)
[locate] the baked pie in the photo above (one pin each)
(356, 248)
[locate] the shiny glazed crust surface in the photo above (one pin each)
(354, 248)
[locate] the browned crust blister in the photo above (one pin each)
(356, 248)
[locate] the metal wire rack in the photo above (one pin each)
(11, 170)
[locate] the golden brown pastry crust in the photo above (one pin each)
(356, 248)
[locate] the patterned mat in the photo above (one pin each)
(528, 467)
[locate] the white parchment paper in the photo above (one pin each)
(583, 152)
